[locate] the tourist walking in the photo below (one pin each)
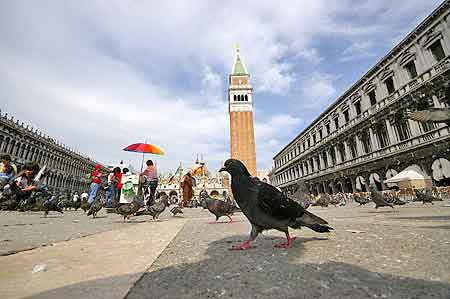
(188, 192)
(96, 179)
(151, 174)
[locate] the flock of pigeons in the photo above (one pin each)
(264, 206)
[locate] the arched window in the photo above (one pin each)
(246, 98)
(234, 97)
(239, 98)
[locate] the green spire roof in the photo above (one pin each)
(238, 67)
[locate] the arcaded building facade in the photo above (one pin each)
(365, 136)
(67, 168)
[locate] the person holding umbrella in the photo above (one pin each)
(151, 174)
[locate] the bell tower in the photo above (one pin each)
(240, 101)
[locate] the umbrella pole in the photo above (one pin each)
(142, 163)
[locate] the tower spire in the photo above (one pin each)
(238, 65)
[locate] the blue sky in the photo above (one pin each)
(99, 75)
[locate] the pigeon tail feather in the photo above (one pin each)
(313, 222)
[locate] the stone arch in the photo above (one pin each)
(173, 193)
(374, 178)
(441, 171)
(347, 185)
(337, 186)
(214, 193)
(360, 184)
(2, 141)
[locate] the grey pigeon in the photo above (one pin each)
(435, 115)
(362, 200)
(126, 210)
(377, 198)
(302, 195)
(157, 208)
(176, 210)
(266, 207)
(426, 196)
(95, 207)
(218, 207)
(52, 204)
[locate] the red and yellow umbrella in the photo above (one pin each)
(144, 148)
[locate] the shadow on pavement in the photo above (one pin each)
(263, 272)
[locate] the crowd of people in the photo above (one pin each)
(119, 185)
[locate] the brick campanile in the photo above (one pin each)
(240, 99)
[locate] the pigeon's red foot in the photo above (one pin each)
(231, 219)
(287, 244)
(243, 246)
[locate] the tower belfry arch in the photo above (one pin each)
(240, 104)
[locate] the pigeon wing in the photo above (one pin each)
(275, 203)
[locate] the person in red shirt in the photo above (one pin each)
(96, 179)
(119, 184)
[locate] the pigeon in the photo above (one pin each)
(395, 200)
(302, 195)
(322, 201)
(157, 208)
(435, 115)
(84, 204)
(52, 204)
(218, 207)
(377, 198)
(426, 196)
(126, 210)
(95, 207)
(176, 210)
(267, 208)
(362, 200)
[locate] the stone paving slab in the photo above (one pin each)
(21, 231)
(403, 254)
(104, 265)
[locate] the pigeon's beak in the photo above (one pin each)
(222, 169)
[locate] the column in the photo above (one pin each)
(321, 162)
(347, 151)
(373, 140)
(330, 161)
(367, 181)
(359, 146)
(337, 155)
(414, 126)
(391, 133)
(316, 167)
(333, 188)
(353, 182)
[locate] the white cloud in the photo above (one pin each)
(99, 75)
(358, 50)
